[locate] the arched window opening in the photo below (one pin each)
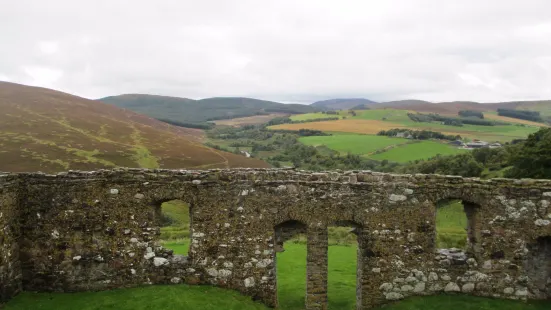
(538, 266)
(457, 227)
(290, 247)
(343, 272)
(175, 225)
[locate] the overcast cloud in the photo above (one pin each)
(292, 51)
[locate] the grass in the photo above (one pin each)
(212, 298)
(415, 151)
(176, 235)
(148, 297)
(291, 291)
(353, 143)
(463, 302)
(451, 225)
(291, 269)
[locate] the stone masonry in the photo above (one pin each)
(78, 231)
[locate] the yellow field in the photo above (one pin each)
(346, 125)
(249, 120)
(513, 120)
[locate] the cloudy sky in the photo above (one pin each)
(292, 51)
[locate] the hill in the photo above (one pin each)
(341, 104)
(198, 111)
(46, 130)
(453, 107)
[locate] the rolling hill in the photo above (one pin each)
(49, 131)
(543, 106)
(341, 104)
(199, 111)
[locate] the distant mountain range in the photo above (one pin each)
(47, 130)
(199, 111)
(192, 111)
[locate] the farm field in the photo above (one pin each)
(343, 125)
(416, 151)
(373, 121)
(353, 143)
(393, 149)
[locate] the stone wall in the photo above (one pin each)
(10, 268)
(100, 230)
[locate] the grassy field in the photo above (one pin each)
(291, 292)
(415, 151)
(353, 143)
(212, 298)
(382, 147)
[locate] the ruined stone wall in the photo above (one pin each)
(100, 230)
(10, 268)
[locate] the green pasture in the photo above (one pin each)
(353, 143)
(416, 151)
(172, 297)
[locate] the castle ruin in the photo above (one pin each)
(81, 231)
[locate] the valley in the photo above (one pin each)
(54, 132)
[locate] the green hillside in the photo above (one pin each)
(198, 111)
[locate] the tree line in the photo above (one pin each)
(452, 121)
(521, 114)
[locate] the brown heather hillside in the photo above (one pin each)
(49, 131)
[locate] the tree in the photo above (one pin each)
(533, 160)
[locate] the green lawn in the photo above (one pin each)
(291, 266)
(415, 151)
(353, 143)
(141, 298)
